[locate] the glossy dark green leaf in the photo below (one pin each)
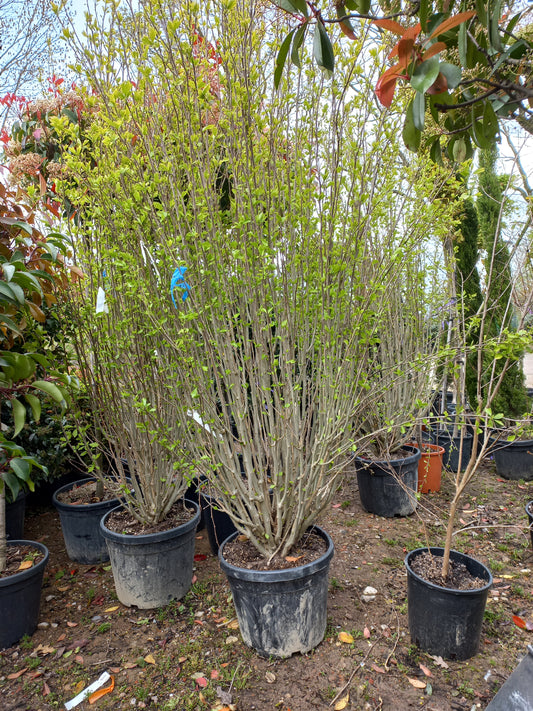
(490, 121)
(351, 5)
(282, 56)
(35, 405)
(419, 110)
(323, 49)
(21, 467)
(291, 6)
(434, 21)
(423, 13)
(512, 24)
(462, 44)
(477, 132)
(410, 134)
(425, 74)
(435, 152)
(71, 115)
(481, 11)
(363, 6)
(494, 26)
(19, 415)
(296, 44)
(452, 73)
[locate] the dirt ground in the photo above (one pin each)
(189, 655)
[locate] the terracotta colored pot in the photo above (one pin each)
(430, 468)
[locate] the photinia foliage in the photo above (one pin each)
(469, 64)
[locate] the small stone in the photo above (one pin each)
(97, 618)
(55, 625)
(231, 639)
(369, 594)
(48, 598)
(270, 677)
(43, 625)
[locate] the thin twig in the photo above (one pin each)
(360, 666)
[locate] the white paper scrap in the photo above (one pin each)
(87, 691)
(101, 306)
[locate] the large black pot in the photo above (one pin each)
(452, 448)
(15, 517)
(20, 598)
(517, 692)
(80, 524)
(445, 621)
(389, 488)
(514, 460)
(281, 612)
(152, 569)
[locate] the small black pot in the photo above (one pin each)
(514, 460)
(446, 621)
(15, 517)
(20, 599)
(388, 488)
(152, 569)
(529, 512)
(193, 494)
(80, 524)
(452, 445)
(281, 612)
(218, 524)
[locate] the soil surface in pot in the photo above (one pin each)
(241, 553)
(123, 522)
(84, 494)
(429, 568)
(156, 656)
(19, 558)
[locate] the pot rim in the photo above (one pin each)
(383, 463)
(139, 539)
(61, 505)
(30, 572)
(528, 512)
(275, 576)
(435, 550)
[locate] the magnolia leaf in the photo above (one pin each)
(19, 415)
(282, 56)
(323, 49)
(410, 134)
(419, 110)
(50, 389)
(425, 74)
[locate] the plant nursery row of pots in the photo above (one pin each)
(151, 569)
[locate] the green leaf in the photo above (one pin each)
(452, 73)
(50, 389)
(323, 49)
(10, 324)
(410, 134)
(462, 44)
(7, 294)
(12, 482)
(494, 26)
(363, 6)
(296, 44)
(425, 74)
(19, 415)
(419, 110)
(21, 467)
(491, 126)
(25, 367)
(9, 270)
(71, 115)
(434, 21)
(282, 56)
(292, 6)
(435, 152)
(423, 13)
(35, 404)
(481, 11)
(459, 150)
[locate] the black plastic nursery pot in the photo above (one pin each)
(529, 512)
(445, 621)
(218, 524)
(281, 612)
(514, 460)
(389, 488)
(452, 449)
(20, 598)
(152, 569)
(80, 524)
(15, 517)
(517, 692)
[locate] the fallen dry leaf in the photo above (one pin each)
(46, 689)
(377, 669)
(426, 671)
(72, 624)
(129, 665)
(80, 686)
(417, 683)
(112, 609)
(214, 674)
(102, 692)
(366, 633)
(26, 564)
(293, 558)
(345, 637)
(149, 659)
(233, 625)
(43, 649)
(78, 658)
(270, 677)
(201, 682)
(439, 661)
(342, 703)
(16, 675)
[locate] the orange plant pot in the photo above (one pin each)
(430, 468)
